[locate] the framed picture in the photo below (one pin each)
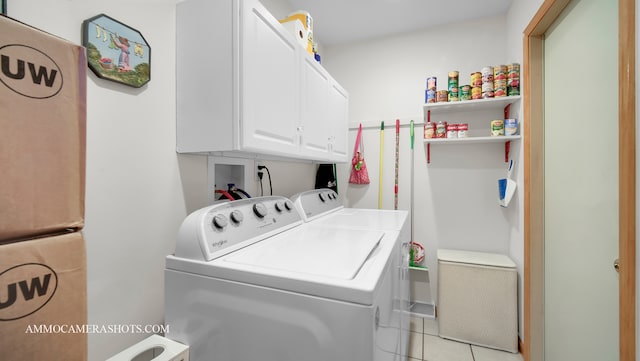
(116, 51)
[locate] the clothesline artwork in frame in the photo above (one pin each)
(116, 51)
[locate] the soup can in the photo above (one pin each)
(513, 71)
(487, 82)
(441, 130)
(465, 92)
(442, 96)
(487, 74)
(452, 131)
(476, 79)
(513, 89)
(500, 88)
(513, 79)
(463, 130)
(476, 92)
(429, 130)
(500, 72)
(497, 127)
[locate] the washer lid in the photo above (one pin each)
(318, 251)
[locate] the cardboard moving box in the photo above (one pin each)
(43, 299)
(42, 132)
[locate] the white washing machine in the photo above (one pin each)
(251, 281)
(324, 208)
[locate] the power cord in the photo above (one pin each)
(260, 174)
(261, 167)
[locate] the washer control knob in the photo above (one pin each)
(236, 216)
(220, 221)
(260, 210)
(280, 206)
(288, 205)
(321, 197)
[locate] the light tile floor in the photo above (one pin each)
(426, 345)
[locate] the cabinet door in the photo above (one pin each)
(269, 83)
(316, 131)
(338, 121)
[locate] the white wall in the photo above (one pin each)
(455, 195)
(138, 190)
(134, 195)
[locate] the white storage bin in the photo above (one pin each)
(477, 299)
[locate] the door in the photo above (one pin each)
(579, 104)
(581, 183)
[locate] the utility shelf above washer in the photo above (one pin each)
(470, 105)
(471, 140)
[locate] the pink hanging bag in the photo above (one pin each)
(359, 174)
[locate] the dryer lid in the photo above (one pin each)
(317, 251)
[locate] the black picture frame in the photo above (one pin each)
(116, 51)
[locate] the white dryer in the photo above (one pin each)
(324, 208)
(251, 281)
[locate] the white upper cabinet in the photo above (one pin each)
(244, 85)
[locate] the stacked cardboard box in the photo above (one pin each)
(43, 307)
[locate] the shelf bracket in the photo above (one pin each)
(507, 148)
(428, 153)
(507, 144)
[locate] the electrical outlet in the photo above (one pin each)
(258, 164)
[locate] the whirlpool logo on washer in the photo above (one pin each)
(219, 243)
(29, 72)
(25, 289)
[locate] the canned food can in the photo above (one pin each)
(500, 88)
(512, 91)
(431, 96)
(497, 127)
(476, 79)
(453, 85)
(452, 131)
(432, 83)
(429, 130)
(465, 92)
(463, 130)
(453, 80)
(442, 96)
(476, 92)
(487, 74)
(513, 71)
(441, 130)
(511, 126)
(500, 72)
